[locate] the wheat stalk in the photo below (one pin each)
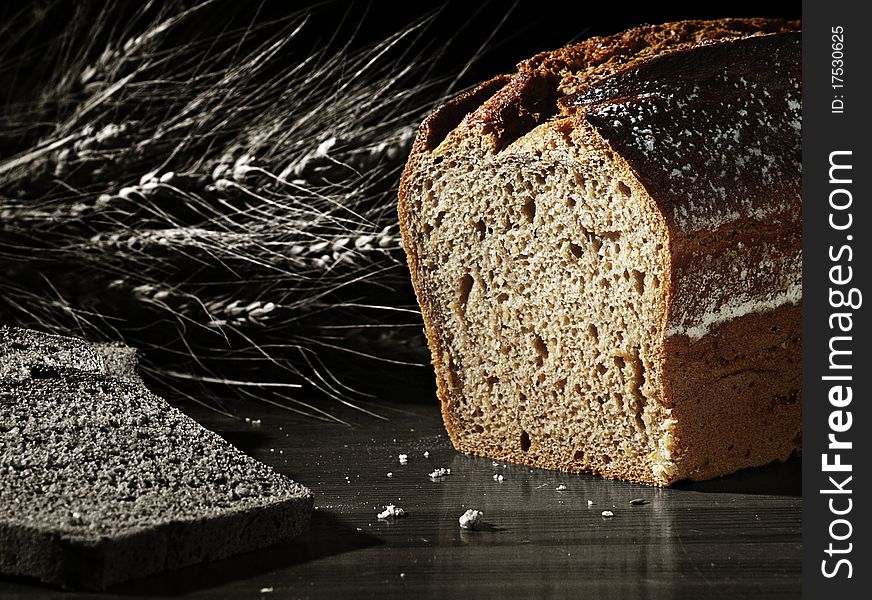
(223, 207)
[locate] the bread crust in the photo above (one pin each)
(754, 377)
(593, 92)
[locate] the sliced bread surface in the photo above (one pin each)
(101, 481)
(606, 247)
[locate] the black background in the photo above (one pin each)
(498, 33)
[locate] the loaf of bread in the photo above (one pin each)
(102, 481)
(606, 248)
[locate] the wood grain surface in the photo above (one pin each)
(735, 537)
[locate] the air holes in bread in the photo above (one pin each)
(640, 423)
(541, 347)
(429, 227)
(623, 189)
(453, 379)
(639, 281)
(525, 441)
(529, 210)
(463, 291)
(481, 228)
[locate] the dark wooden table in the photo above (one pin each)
(736, 537)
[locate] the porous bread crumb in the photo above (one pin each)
(391, 512)
(440, 472)
(559, 250)
(607, 514)
(96, 472)
(403, 458)
(561, 488)
(471, 519)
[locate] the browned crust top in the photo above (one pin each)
(507, 107)
(706, 113)
(531, 96)
(713, 131)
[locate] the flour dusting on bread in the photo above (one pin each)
(606, 249)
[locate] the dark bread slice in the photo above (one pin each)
(102, 481)
(606, 249)
(25, 353)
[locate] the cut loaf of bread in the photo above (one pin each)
(606, 248)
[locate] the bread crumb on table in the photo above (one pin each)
(439, 473)
(471, 519)
(561, 488)
(607, 514)
(404, 458)
(391, 512)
